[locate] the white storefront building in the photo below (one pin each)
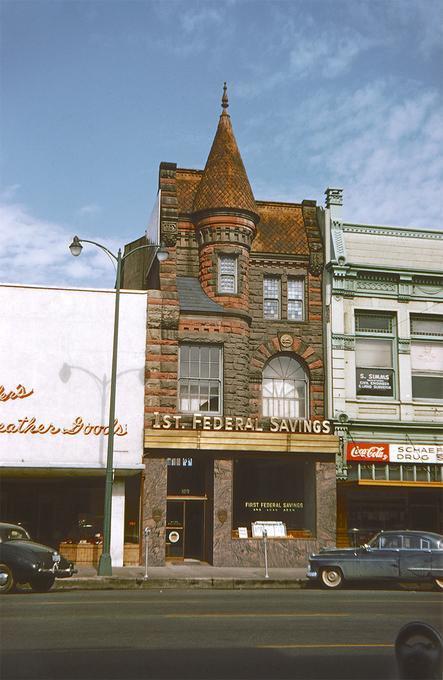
(384, 335)
(55, 359)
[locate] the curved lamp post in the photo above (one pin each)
(105, 563)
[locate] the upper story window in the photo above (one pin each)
(285, 388)
(296, 290)
(294, 287)
(200, 379)
(374, 354)
(271, 297)
(427, 357)
(227, 274)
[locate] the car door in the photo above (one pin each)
(437, 560)
(415, 558)
(381, 561)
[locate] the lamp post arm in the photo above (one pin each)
(99, 245)
(147, 245)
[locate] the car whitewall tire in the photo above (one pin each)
(6, 579)
(331, 577)
(439, 583)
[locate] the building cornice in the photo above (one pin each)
(400, 232)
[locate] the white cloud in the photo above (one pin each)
(89, 209)
(387, 157)
(382, 144)
(200, 19)
(35, 251)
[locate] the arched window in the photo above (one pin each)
(285, 388)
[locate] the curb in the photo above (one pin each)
(139, 583)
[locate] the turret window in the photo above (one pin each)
(227, 274)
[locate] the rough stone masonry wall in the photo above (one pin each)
(307, 335)
(232, 333)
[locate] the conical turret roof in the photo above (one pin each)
(224, 183)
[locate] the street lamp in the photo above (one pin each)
(105, 563)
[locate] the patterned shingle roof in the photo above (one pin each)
(281, 229)
(224, 183)
(187, 184)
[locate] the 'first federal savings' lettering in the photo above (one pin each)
(166, 421)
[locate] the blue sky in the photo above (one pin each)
(96, 94)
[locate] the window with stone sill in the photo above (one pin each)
(271, 297)
(200, 379)
(296, 299)
(227, 274)
(427, 357)
(374, 354)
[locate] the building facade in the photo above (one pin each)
(236, 440)
(55, 357)
(384, 338)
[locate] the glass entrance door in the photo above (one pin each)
(185, 528)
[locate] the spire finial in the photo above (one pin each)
(225, 102)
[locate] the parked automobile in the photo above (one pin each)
(24, 561)
(389, 556)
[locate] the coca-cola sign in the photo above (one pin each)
(368, 452)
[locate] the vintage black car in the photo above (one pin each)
(389, 556)
(24, 561)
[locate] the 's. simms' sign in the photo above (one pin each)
(373, 382)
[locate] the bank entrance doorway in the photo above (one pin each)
(188, 510)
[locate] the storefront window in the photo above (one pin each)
(274, 491)
(284, 388)
(374, 357)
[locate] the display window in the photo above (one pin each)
(274, 491)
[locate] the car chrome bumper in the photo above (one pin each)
(312, 574)
(57, 572)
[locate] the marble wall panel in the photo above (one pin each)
(223, 479)
(326, 503)
(154, 509)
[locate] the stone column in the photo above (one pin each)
(223, 478)
(326, 502)
(154, 509)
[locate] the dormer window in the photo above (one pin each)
(227, 274)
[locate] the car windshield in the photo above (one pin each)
(13, 534)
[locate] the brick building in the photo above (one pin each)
(235, 436)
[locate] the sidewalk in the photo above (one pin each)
(187, 574)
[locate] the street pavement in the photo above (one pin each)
(208, 634)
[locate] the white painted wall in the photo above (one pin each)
(380, 246)
(58, 343)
